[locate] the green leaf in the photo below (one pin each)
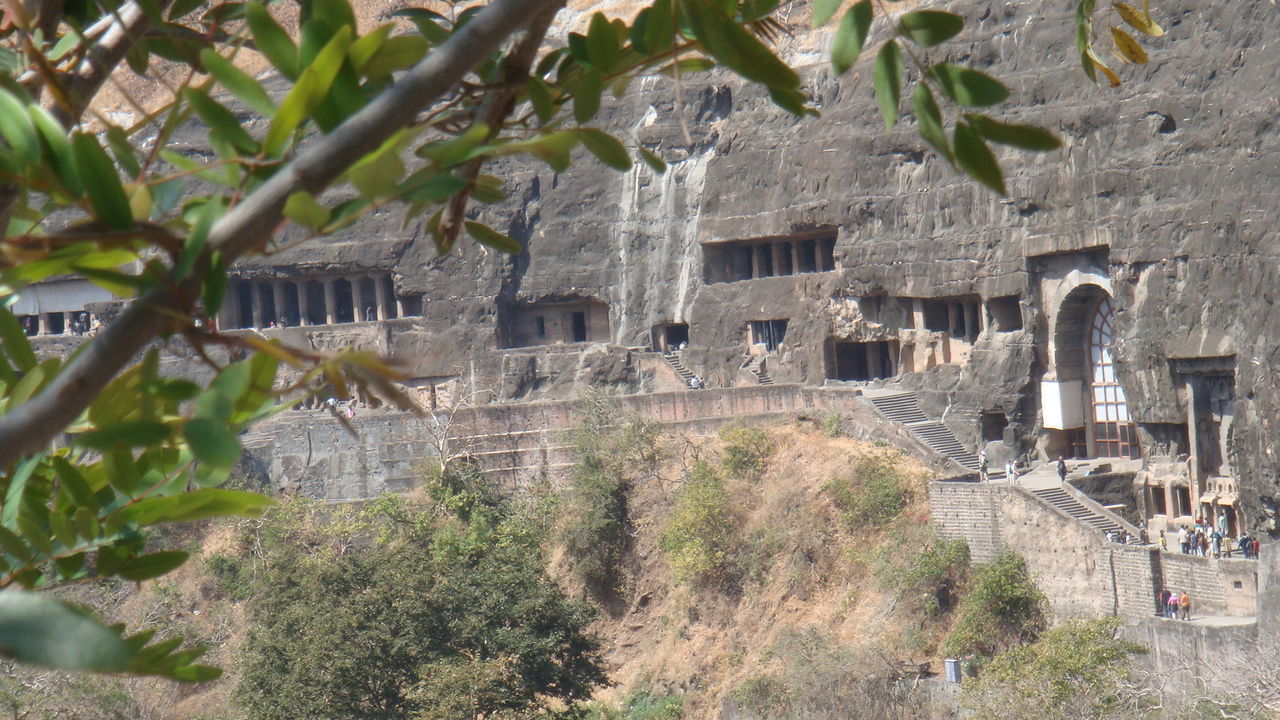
(14, 545)
(55, 138)
(887, 78)
(1129, 48)
(37, 629)
(850, 37)
(336, 13)
(271, 40)
(968, 87)
(927, 28)
(736, 48)
(397, 53)
(1025, 137)
(586, 96)
(554, 148)
(975, 158)
(220, 120)
(145, 567)
(929, 118)
(429, 186)
(602, 43)
(312, 87)
(198, 505)
(74, 484)
(486, 235)
(106, 194)
(126, 434)
(17, 486)
(653, 160)
(304, 210)
(215, 284)
(16, 344)
(17, 128)
(659, 28)
(237, 82)
(540, 98)
(211, 442)
(606, 147)
(1138, 19)
(823, 10)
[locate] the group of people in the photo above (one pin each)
(1207, 541)
(1175, 606)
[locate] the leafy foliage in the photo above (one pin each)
(419, 617)
(918, 564)
(639, 705)
(1080, 669)
(874, 492)
(612, 449)
(1002, 609)
(701, 534)
(745, 451)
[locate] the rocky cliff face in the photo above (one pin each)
(1165, 192)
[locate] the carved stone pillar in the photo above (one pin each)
(357, 299)
(255, 297)
(380, 292)
(330, 304)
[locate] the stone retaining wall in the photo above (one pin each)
(1081, 573)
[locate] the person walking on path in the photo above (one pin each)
(1184, 602)
(982, 466)
(1062, 470)
(1171, 606)
(1010, 471)
(1182, 540)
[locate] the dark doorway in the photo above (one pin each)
(993, 425)
(315, 303)
(244, 300)
(344, 302)
(860, 361)
(670, 337)
(579, 327)
(290, 313)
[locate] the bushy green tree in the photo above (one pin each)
(614, 449)
(746, 450)
(1002, 609)
(701, 536)
(872, 492)
(1079, 670)
(419, 618)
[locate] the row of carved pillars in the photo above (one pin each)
(310, 301)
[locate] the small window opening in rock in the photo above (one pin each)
(412, 305)
(1167, 125)
(769, 333)
(993, 425)
(827, 252)
(861, 361)
(1237, 585)
(541, 330)
(579, 327)
(1005, 313)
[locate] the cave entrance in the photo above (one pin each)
(670, 336)
(860, 361)
(769, 333)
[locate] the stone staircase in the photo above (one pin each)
(677, 363)
(756, 367)
(902, 407)
(1062, 500)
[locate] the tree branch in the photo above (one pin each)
(31, 426)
